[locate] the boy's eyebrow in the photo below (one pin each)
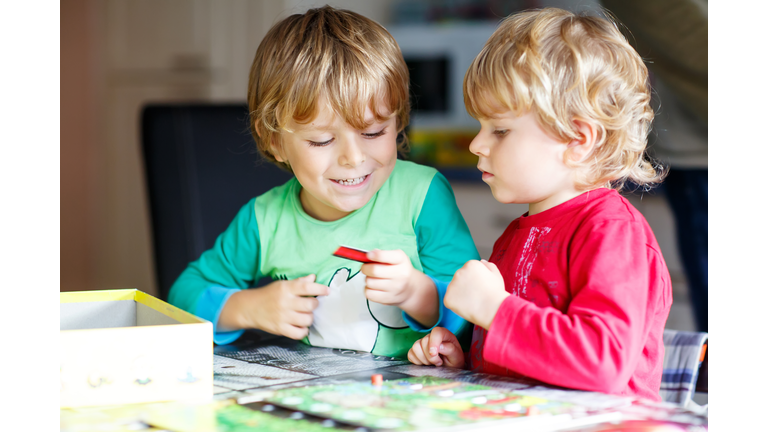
(311, 125)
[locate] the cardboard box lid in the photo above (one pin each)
(117, 308)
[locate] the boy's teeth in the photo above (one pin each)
(350, 182)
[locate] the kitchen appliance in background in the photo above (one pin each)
(438, 56)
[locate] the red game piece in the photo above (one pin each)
(377, 380)
(352, 254)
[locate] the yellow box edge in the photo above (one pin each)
(164, 308)
(97, 295)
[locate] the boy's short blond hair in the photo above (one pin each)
(347, 59)
(564, 67)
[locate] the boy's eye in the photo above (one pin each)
(375, 134)
(500, 132)
(319, 144)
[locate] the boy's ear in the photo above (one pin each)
(589, 134)
(277, 151)
(274, 148)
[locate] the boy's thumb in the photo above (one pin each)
(446, 348)
(452, 355)
(308, 278)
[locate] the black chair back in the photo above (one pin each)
(201, 167)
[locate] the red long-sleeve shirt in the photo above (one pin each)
(590, 296)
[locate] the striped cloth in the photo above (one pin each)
(682, 358)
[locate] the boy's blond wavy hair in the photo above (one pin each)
(564, 67)
(339, 55)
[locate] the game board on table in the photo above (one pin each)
(432, 403)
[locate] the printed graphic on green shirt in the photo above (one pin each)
(346, 319)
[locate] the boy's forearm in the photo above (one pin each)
(424, 303)
(232, 316)
(487, 310)
(229, 319)
(607, 348)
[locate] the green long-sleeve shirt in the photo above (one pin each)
(273, 236)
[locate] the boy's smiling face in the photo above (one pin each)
(340, 168)
(522, 163)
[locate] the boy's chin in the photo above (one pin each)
(505, 198)
(497, 196)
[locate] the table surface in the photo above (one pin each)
(260, 363)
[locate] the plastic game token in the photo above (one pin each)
(352, 254)
(377, 380)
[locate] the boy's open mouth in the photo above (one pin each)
(351, 181)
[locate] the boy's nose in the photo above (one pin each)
(476, 147)
(352, 154)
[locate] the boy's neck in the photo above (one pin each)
(555, 200)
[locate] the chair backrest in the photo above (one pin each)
(201, 167)
(685, 365)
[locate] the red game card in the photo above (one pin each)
(352, 254)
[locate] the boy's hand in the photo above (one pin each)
(392, 280)
(439, 348)
(388, 280)
(476, 292)
(282, 307)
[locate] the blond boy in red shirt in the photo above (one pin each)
(576, 293)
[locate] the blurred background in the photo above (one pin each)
(119, 55)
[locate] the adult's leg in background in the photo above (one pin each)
(687, 193)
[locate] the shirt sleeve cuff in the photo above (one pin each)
(500, 332)
(446, 319)
(209, 307)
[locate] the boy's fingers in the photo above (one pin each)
(440, 335)
(451, 354)
(415, 355)
(412, 358)
(377, 296)
(308, 278)
(295, 332)
(421, 355)
(430, 351)
(309, 289)
(306, 304)
(490, 266)
(386, 256)
(376, 283)
(300, 319)
(376, 270)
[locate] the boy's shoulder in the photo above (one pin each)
(608, 208)
(409, 184)
(408, 170)
(410, 177)
(276, 195)
(608, 205)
